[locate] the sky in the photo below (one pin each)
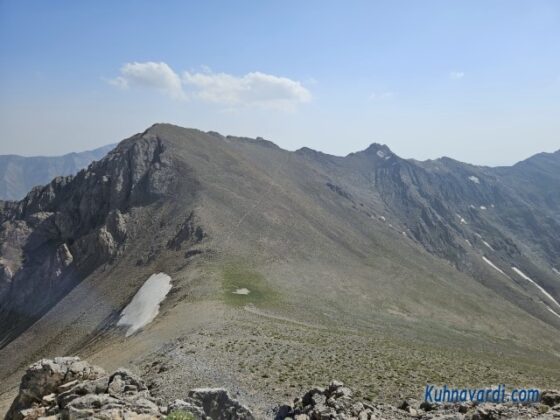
(476, 80)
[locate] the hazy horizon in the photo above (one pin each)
(272, 140)
(476, 81)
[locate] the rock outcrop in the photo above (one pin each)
(60, 233)
(68, 388)
(337, 402)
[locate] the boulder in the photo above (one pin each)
(44, 378)
(218, 405)
(550, 398)
(67, 388)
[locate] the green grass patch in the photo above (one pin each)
(180, 415)
(239, 276)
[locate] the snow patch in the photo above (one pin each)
(468, 242)
(242, 291)
(144, 306)
(556, 271)
(544, 292)
(462, 219)
(380, 154)
(474, 179)
(488, 245)
(551, 310)
(491, 264)
(482, 208)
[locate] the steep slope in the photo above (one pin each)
(537, 179)
(18, 174)
(364, 256)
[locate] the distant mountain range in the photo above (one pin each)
(18, 174)
(286, 269)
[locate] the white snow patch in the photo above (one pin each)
(242, 291)
(472, 206)
(551, 310)
(491, 264)
(556, 271)
(488, 245)
(382, 218)
(144, 306)
(544, 292)
(474, 179)
(380, 154)
(468, 242)
(462, 219)
(404, 234)
(482, 208)
(387, 157)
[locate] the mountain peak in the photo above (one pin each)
(377, 150)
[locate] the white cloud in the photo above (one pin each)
(153, 75)
(253, 89)
(456, 75)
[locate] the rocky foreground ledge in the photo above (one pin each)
(69, 388)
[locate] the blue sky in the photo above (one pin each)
(475, 80)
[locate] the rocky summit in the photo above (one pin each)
(69, 388)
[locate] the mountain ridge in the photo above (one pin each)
(364, 243)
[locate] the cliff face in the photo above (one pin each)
(60, 233)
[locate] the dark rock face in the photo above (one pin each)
(60, 233)
(69, 388)
(187, 232)
(462, 212)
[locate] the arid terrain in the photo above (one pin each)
(288, 270)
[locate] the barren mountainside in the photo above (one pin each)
(277, 257)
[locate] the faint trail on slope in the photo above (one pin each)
(254, 310)
(259, 201)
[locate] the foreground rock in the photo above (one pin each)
(69, 388)
(337, 402)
